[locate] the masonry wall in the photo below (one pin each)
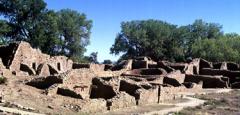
(27, 55)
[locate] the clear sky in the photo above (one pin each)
(108, 14)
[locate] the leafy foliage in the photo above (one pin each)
(3, 80)
(161, 40)
(145, 38)
(226, 48)
(64, 32)
(107, 62)
(93, 57)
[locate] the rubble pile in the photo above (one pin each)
(100, 87)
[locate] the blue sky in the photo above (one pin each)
(108, 14)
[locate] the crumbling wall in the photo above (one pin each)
(45, 82)
(27, 55)
(171, 93)
(233, 66)
(1, 65)
(149, 96)
(43, 70)
(61, 63)
(8, 55)
(232, 75)
(64, 91)
(103, 88)
(176, 75)
(122, 100)
(208, 81)
(80, 81)
(22, 53)
(217, 65)
(93, 67)
(145, 72)
(129, 87)
(93, 106)
(123, 65)
(164, 65)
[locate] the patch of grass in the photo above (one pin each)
(3, 80)
(214, 102)
(178, 113)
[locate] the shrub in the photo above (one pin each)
(3, 80)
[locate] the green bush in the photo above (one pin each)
(3, 80)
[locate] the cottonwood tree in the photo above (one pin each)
(64, 32)
(161, 40)
(151, 38)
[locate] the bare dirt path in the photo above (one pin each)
(216, 104)
(159, 109)
(168, 107)
(17, 111)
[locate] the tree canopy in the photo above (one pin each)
(65, 32)
(162, 40)
(144, 38)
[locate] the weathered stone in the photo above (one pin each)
(171, 93)
(219, 66)
(26, 68)
(178, 66)
(208, 81)
(94, 106)
(79, 66)
(108, 67)
(129, 87)
(235, 85)
(80, 80)
(45, 82)
(139, 64)
(145, 72)
(233, 66)
(148, 96)
(122, 100)
(123, 65)
(171, 81)
(22, 53)
(8, 55)
(43, 70)
(176, 75)
(204, 64)
(60, 63)
(52, 70)
(64, 91)
(164, 65)
(1, 65)
(93, 67)
(232, 75)
(102, 89)
(192, 85)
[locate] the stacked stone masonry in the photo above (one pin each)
(108, 87)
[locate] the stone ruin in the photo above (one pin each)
(108, 87)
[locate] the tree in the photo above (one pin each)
(93, 57)
(74, 31)
(223, 49)
(197, 31)
(162, 40)
(107, 61)
(151, 38)
(65, 32)
(22, 16)
(5, 29)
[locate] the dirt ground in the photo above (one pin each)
(23, 97)
(216, 104)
